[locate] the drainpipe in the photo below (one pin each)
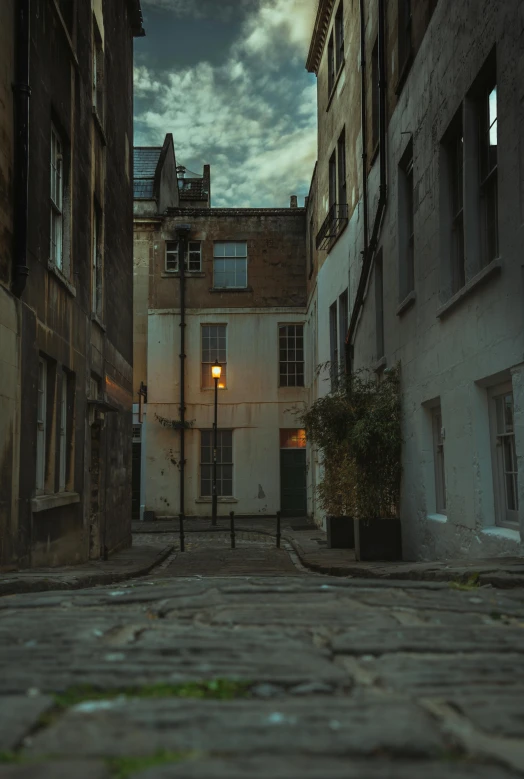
(371, 247)
(182, 233)
(22, 92)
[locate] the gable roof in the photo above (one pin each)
(145, 164)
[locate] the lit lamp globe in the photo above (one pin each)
(216, 370)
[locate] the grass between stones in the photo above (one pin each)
(217, 689)
(471, 583)
(124, 767)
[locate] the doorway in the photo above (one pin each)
(293, 486)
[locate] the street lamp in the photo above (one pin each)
(216, 372)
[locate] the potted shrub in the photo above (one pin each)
(357, 428)
(334, 498)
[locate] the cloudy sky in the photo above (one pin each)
(228, 79)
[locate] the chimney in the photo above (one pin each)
(293, 202)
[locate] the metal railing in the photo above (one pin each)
(335, 221)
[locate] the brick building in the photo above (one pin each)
(415, 229)
(66, 279)
(243, 305)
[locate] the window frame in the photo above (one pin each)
(41, 425)
(339, 38)
(56, 240)
(439, 461)
(298, 375)
(342, 168)
(220, 464)
(504, 517)
(488, 174)
(175, 252)
(343, 325)
(331, 64)
(230, 258)
(333, 345)
(405, 39)
(98, 85)
(406, 221)
(453, 145)
(211, 361)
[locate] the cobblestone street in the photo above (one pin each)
(276, 674)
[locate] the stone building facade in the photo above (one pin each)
(66, 276)
(415, 224)
(245, 298)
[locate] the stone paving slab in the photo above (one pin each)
(267, 766)
(18, 715)
(54, 769)
(331, 726)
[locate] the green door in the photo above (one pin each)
(293, 491)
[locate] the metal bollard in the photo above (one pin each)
(232, 518)
(181, 525)
(278, 529)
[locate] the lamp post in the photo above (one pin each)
(216, 372)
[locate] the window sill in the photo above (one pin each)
(442, 518)
(189, 274)
(219, 500)
(379, 366)
(46, 502)
(60, 276)
(100, 126)
(335, 84)
(96, 318)
(486, 273)
(406, 303)
(230, 289)
(509, 534)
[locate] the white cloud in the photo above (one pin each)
(254, 124)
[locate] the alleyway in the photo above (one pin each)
(270, 675)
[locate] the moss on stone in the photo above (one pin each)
(124, 767)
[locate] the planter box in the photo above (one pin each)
(378, 539)
(340, 533)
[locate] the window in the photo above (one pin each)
(331, 65)
(98, 72)
(291, 438)
(57, 201)
(341, 159)
(488, 172)
(375, 97)
(379, 305)
(339, 37)
(438, 457)
(224, 463)
(291, 358)
(172, 256)
(311, 249)
(230, 265)
(333, 345)
(193, 265)
(332, 180)
(454, 145)
(343, 319)
(63, 434)
(404, 33)
(213, 348)
(97, 276)
(41, 426)
(505, 456)
(406, 224)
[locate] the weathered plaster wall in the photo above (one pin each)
(253, 406)
(455, 357)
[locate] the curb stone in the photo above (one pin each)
(79, 581)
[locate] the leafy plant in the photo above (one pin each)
(357, 429)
